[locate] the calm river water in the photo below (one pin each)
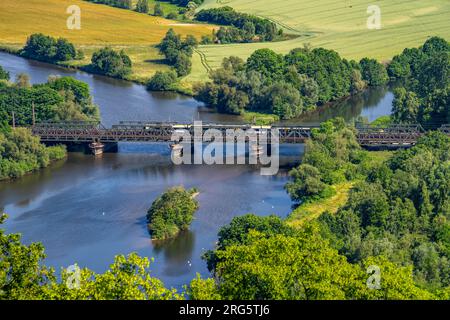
(87, 210)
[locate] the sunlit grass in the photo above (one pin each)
(101, 26)
(340, 25)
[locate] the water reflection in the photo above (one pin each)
(177, 253)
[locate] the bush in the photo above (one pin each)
(111, 63)
(4, 75)
(21, 152)
(46, 48)
(172, 16)
(171, 213)
(162, 81)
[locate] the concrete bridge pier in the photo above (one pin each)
(98, 148)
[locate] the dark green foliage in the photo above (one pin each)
(242, 27)
(20, 153)
(425, 72)
(183, 65)
(405, 107)
(236, 233)
(266, 62)
(331, 155)
(178, 53)
(162, 81)
(158, 10)
(402, 212)
(283, 85)
(373, 72)
(111, 63)
(171, 213)
(142, 6)
(172, 16)
(46, 48)
(4, 75)
(60, 99)
(123, 4)
(307, 183)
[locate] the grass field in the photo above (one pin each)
(340, 25)
(101, 25)
(312, 210)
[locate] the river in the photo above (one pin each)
(87, 210)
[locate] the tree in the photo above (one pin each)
(158, 10)
(183, 65)
(306, 183)
(236, 233)
(162, 81)
(142, 6)
(22, 275)
(405, 107)
(65, 50)
(40, 47)
(267, 62)
(111, 63)
(46, 48)
(373, 72)
(285, 267)
(171, 213)
(4, 75)
(283, 100)
(23, 80)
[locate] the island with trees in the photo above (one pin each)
(172, 213)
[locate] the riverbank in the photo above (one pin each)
(84, 65)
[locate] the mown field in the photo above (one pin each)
(339, 25)
(100, 26)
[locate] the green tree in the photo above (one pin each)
(306, 183)
(284, 267)
(158, 10)
(4, 75)
(142, 6)
(283, 100)
(171, 213)
(373, 72)
(65, 50)
(405, 107)
(266, 62)
(22, 275)
(162, 81)
(183, 65)
(111, 63)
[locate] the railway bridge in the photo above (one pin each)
(96, 135)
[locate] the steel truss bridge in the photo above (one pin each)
(88, 132)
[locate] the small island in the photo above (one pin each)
(172, 212)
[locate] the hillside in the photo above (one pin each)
(338, 25)
(101, 25)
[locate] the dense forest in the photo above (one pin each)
(286, 85)
(424, 96)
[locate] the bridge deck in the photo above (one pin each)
(86, 132)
